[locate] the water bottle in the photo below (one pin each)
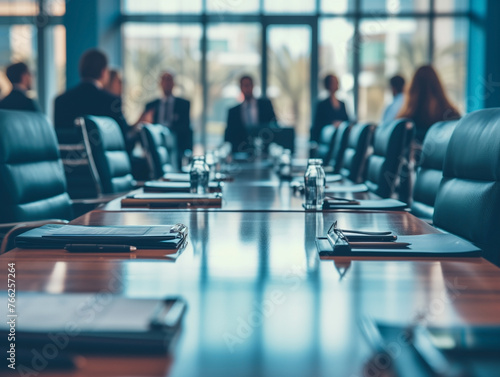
(314, 184)
(199, 175)
(285, 167)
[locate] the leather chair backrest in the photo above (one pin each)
(32, 182)
(108, 151)
(430, 170)
(157, 140)
(391, 143)
(340, 145)
(468, 200)
(325, 144)
(356, 150)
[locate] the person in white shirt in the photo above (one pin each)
(397, 84)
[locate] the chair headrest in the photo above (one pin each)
(385, 133)
(475, 140)
(106, 131)
(436, 143)
(26, 136)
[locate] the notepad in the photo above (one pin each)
(142, 237)
(177, 187)
(422, 245)
(381, 204)
(172, 200)
(104, 323)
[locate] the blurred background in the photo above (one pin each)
(287, 45)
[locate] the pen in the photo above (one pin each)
(93, 248)
(379, 245)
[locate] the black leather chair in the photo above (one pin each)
(340, 145)
(106, 149)
(356, 151)
(391, 143)
(325, 144)
(157, 141)
(32, 181)
(468, 200)
(430, 170)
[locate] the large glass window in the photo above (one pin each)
(289, 75)
(162, 6)
(363, 46)
(151, 49)
(233, 50)
(232, 6)
(18, 7)
(388, 47)
(336, 57)
(450, 57)
(17, 44)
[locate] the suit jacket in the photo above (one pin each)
(87, 99)
(236, 132)
(17, 100)
(181, 122)
(326, 114)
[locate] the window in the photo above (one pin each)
(363, 46)
(450, 57)
(161, 6)
(151, 49)
(20, 22)
(18, 7)
(388, 47)
(233, 50)
(17, 44)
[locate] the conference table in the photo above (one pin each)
(260, 300)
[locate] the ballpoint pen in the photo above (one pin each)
(94, 248)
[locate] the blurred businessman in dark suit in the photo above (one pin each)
(21, 79)
(173, 112)
(89, 98)
(245, 120)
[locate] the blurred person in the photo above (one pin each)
(397, 84)
(172, 112)
(246, 119)
(115, 83)
(426, 102)
(90, 98)
(21, 78)
(330, 110)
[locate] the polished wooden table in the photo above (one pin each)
(261, 302)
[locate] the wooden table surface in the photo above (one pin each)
(261, 302)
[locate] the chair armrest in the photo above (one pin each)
(13, 229)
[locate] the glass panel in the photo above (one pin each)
(55, 7)
(152, 49)
(18, 7)
(451, 5)
(395, 6)
(233, 6)
(17, 44)
(335, 56)
(289, 79)
(388, 47)
(339, 6)
(289, 6)
(60, 57)
(233, 50)
(450, 56)
(162, 6)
